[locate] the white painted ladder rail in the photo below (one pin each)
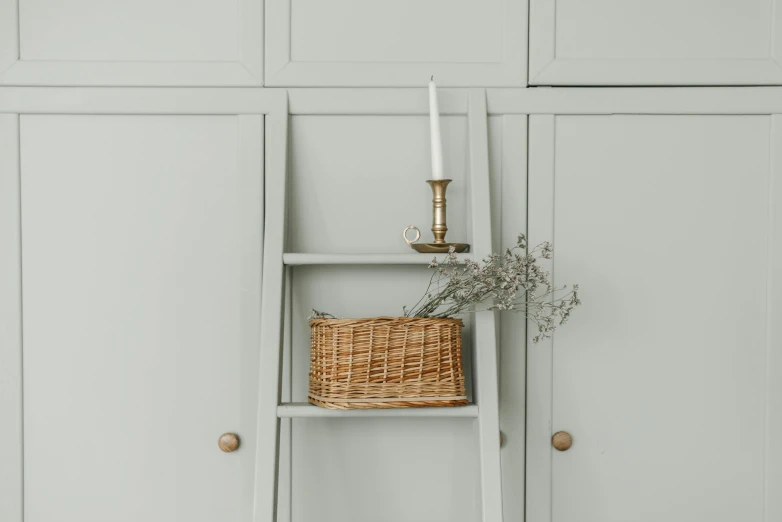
(485, 381)
(274, 318)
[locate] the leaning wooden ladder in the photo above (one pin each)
(275, 289)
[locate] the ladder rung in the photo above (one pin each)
(302, 409)
(364, 259)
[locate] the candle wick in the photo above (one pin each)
(432, 78)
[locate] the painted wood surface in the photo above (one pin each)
(540, 217)
(11, 443)
(382, 167)
(337, 288)
(305, 410)
(272, 299)
(463, 43)
(140, 342)
(362, 259)
(666, 42)
(207, 43)
(161, 100)
(761, 101)
(670, 343)
(285, 470)
(411, 458)
(350, 43)
(232, 101)
(338, 134)
(507, 143)
(773, 456)
(485, 351)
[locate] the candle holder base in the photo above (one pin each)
(439, 248)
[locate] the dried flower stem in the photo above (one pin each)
(511, 281)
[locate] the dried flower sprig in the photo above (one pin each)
(316, 314)
(511, 281)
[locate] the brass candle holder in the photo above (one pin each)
(439, 224)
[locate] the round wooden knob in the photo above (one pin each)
(228, 442)
(562, 441)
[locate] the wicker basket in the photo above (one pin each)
(386, 362)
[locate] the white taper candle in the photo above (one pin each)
(434, 130)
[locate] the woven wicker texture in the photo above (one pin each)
(386, 362)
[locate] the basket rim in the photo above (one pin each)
(385, 321)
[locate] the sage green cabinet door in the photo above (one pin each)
(668, 378)
(655, 42)
(141, 256)
(143, 42)
(344, 43)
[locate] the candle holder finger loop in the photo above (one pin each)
(416, 238)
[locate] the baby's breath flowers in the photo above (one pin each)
(511, 281)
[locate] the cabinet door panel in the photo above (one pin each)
(396, 43)
(141, 288)
(665, 377)
(662, 42)
(144, 42)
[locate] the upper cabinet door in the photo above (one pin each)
(141, 260)
(140, 42)
(396, 43)
(655, 42)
